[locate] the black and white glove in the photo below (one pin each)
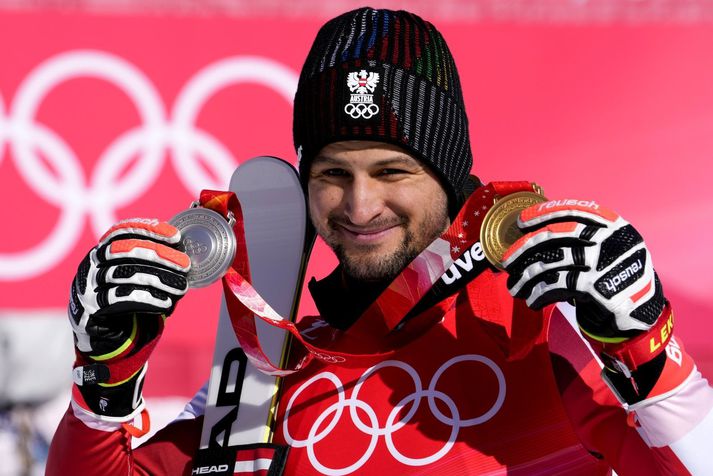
(124, 289)
(578, 250)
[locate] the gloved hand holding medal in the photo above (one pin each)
(575, 250)
(499, 230)
(208, 239)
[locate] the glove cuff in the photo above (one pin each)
(117, 403)
(119, 366)
(626, 356)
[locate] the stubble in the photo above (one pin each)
(369, 263)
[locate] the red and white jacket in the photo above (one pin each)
(478, 384)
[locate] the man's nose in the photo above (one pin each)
(364, 200)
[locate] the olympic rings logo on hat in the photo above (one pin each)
(111, 186)
(367, 111)
(374, 429)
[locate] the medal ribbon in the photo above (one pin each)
(419, 277)
(385, 313)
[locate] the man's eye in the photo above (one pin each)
(392, 172)
(334, 172)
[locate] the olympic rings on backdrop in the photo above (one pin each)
(66, 186)
(373, 429)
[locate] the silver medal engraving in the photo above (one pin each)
(208, 239)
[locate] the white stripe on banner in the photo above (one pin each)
(262, 464)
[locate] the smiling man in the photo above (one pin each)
(376, 206)
(486, 372)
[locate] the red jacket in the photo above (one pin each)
(479, 384)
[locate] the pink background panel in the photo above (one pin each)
(616, 113)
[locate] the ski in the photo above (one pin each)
(241, 401)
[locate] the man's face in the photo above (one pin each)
(375, 205)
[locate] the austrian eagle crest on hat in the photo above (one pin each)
(361, 102)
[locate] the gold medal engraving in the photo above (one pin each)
(499, 230)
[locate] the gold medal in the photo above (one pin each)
(499, 230)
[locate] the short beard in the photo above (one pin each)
(382, 269)
(370, 267)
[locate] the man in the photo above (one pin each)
(467, 380)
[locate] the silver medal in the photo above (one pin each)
(208, 239)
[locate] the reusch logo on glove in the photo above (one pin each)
(569, 203)
(75, 308)
(623, 275)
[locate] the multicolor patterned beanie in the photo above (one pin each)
(386, 76)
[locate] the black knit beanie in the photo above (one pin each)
(385, 76)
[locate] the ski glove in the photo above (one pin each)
(576, 250)
(123, 290)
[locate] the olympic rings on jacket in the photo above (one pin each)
(373, 429)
